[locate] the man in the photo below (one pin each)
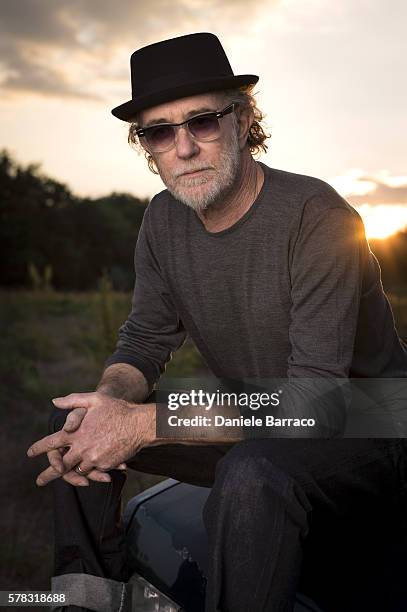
(270, 273)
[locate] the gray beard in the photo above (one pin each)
(226, 177)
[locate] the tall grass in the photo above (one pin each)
(52, 344)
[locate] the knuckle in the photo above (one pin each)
(92, 458)
(54, 442)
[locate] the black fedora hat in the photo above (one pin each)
(176, 68)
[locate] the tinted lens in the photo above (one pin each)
(204, 127)
(160, 137)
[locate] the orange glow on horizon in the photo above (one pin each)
(383, 220)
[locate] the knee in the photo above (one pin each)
(248, 480)
(250, 468)
(245, 467)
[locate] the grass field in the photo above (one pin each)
(54, 344)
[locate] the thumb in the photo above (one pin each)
(74, 419)
(75, 400)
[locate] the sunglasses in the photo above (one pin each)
(205, 128)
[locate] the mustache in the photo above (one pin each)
(179, 173)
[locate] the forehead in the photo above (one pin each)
(178, 110)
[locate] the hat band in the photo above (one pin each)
(175, 80)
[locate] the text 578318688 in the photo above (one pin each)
(31, 598)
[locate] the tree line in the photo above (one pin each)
(70, 242)
(52, 237)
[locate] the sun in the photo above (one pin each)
(383, 220)
(364, 189)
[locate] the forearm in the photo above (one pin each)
(191, 425)
(306, 408)
(124, 381)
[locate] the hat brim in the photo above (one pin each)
(127, 111)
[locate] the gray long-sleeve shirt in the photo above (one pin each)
(289, 290)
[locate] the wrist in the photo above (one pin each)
(147, 414)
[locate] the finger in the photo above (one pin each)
(55, 459)
(51, 442)
(99, 476)
(75, 479)
(91, 474)
(75, 400)
(71, 459)
(51, 474)
(74, 419)
(87, 468)
(47, 476)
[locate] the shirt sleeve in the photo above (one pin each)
(326, 285)
(326, 275)
(153, 329)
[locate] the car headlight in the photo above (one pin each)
(147, 598)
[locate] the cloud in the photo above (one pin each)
(361, 188)
(381, 193)
(35, 21)
(81, 48)
(385, 193)
(24, 71)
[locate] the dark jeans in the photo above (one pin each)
(327, 517)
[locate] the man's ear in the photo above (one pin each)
(245, 119)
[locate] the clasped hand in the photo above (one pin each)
(100, 434)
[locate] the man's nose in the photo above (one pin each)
(185, 145)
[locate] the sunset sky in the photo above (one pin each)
(331, 84)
